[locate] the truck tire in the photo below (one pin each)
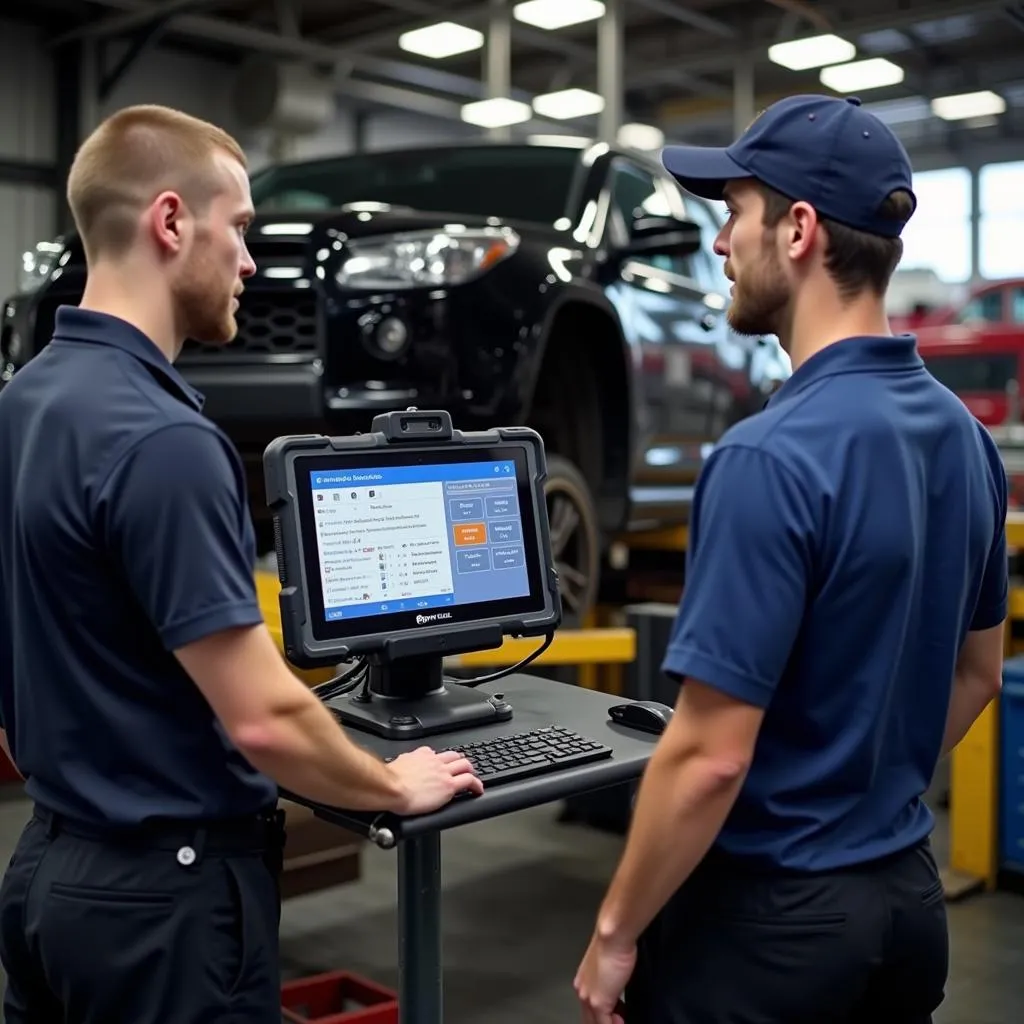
(575, 539)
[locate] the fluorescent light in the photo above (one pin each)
(286, 229)
(555, 14)
(641, 136)
(816, 52)
(444, 39)
(568, 103)
(862, 74)
(567, 141)
(967, 105)
(496, 113)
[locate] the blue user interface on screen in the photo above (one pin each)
(407, 538)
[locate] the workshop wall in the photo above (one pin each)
(194, 84)
(27, 135)
(202, 87)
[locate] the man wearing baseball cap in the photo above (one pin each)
(840, 629)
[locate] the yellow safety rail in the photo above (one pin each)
(570, 647)
(583, 647)
(974, 768)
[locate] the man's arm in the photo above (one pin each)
(979, 669)
(7, 750)
(173, 514)
(742, 607)
(284, 731)
(976, 683)
(688, 789)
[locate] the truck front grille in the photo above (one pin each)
(279, 323)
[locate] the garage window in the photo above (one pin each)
(938, 236)
(1001, 226)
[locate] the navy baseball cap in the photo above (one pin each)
(826, 151)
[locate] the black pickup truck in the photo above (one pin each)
(570, 288)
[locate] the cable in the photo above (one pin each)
(342, 683)
(549, 637)
(359, 673)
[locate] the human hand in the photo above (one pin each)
(430, 779)
(601, 980)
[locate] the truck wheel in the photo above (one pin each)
(575, 539)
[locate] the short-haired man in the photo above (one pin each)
(141, 696)
(840, 628)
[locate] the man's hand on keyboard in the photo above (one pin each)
(430, 780)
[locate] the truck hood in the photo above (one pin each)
(358, 220)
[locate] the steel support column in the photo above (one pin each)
(68, 91)
(743, 96)
(610, 59)
(498, 58)
(89, 91)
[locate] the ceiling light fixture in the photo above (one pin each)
(444, 39)
(499, 112)
(874, 73)
(967, 105)
(816, 52)
(641, 137)
(568, 103)
(564, 141)
(556, 14)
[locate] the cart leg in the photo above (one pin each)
(420, 997)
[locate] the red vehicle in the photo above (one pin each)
(976, 349)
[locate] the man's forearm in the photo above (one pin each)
(7, 750)
(306, 752)
(680, 809)
(969, 698)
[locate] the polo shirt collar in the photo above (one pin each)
(868, 354)
(92, 328)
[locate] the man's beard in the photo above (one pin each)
(205, 312)
(759, 305)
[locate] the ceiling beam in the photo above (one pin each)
(431, 14)
(701, 22)
(458, 87)
(909, 14)
(246, 37)
(999, 69)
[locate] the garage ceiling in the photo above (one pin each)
(680, 55)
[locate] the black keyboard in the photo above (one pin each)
(525, 754)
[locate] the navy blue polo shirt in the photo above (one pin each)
(843, 542)
(124, 535)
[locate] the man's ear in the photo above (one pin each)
(801, 230)
(168, 216)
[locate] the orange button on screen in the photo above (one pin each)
(470, 533)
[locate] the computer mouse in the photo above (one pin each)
(645, 715)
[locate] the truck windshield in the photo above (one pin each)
(516, 182)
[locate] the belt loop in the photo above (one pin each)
(52, 824)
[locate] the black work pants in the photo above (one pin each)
(169, 925)
(866, 945)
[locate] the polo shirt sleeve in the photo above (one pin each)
(748, 576)
(993, 597)
(174, 514)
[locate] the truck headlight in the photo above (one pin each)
(37, 263)
(419, 259)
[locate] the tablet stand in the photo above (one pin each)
(408, 697)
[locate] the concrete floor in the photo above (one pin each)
(520, 894)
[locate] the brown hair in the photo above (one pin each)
(856, 260)
(129, 159)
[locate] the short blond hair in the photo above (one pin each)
(133, 156)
